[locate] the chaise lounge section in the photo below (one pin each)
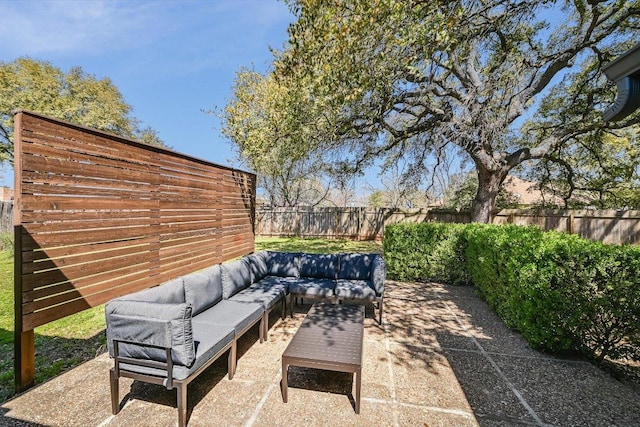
(171, 333)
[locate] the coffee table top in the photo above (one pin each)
(330, 333)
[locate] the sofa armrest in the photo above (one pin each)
(152, 327)
(378, 274)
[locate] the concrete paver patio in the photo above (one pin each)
(441, 358)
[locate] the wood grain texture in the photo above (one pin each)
(100, 216)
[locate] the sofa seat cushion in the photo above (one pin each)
(208, 340)
(236, 314)
(267, 292)
(312, 287)
(355, 289)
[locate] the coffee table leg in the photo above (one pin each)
(284, 385)
(358, 375)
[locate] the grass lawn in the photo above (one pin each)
(295, 244)
(60, 345)
(68, 342)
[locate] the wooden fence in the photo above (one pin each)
(608, 226)
(6, 216)
(97, 216)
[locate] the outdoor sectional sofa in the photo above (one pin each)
(171, 333)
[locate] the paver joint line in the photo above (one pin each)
(254, 416)
(515, 356)
(392, 388)
(497, 380)
(106, 421)
(501, 374)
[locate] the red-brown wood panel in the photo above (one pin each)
(102, 216)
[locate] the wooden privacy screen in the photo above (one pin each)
(98, 216)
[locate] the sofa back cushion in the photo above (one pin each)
(378, 274)
(258, 265)
(321, 266)
(355, 266)
(283, 264)
(236, 275)
(151, 323)
(203, 288)
(171, 292)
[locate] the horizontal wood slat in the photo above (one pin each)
(82, 258)
(32, 320)
(63, 274)
(103, 216)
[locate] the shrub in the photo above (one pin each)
(426, 251)
(506, 263)
(603, 289)
(562, 292)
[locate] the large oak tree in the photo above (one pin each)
(408, 77)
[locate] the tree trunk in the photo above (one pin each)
(489, 183)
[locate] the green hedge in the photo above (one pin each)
(562, 292)
(425, 251)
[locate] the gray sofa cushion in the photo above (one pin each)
(236, 275)
(151, 323)
(203, 288)
(305, 286)
(323, 266)
(281, 283)
(378, 274)
(207, 339)
(267, 292)
(283, 264)
(355, 289)
(171, 292)
(258, 265)
(236, 314)
(355, 266)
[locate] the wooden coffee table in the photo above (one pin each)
(330, 337)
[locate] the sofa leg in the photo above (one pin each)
(291, 305)
(232, 360)
(182, 404)
(284, 307)
(263, 325)
(115, 392)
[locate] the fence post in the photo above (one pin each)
(570, 223)
(24, 348)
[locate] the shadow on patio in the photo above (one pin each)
(441, 358)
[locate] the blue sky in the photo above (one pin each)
(169, 59)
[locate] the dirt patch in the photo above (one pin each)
(54, 355)
(626, 371)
